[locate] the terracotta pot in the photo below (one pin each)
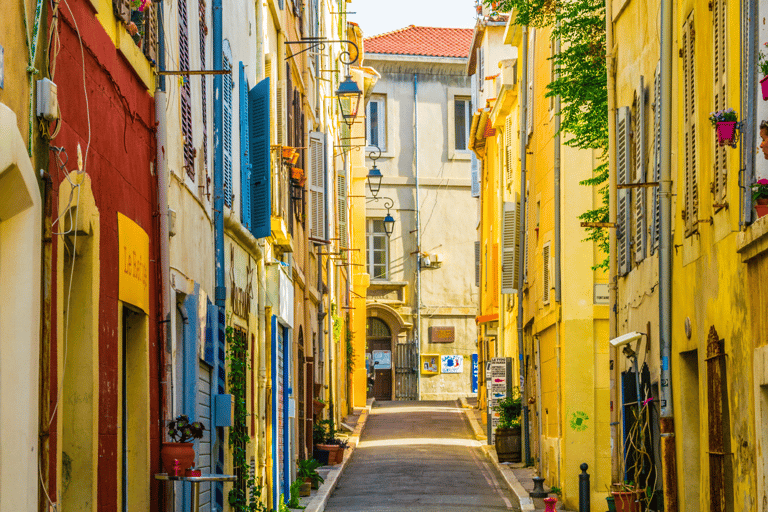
(762, 201)
(761, 210)
(726, 133)
(764, 85)
(317, 406)
(288, 152)
(626, 501)
(332, 450)
(183, 452)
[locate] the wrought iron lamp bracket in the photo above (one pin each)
(345, 57)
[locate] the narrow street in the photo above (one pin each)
(419, 457)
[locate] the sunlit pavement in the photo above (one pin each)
(418, 456)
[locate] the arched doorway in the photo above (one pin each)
(379, 356)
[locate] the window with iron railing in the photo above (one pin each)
(140, 20)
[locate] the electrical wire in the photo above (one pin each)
(85, 90)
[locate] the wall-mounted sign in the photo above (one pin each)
(452, 364)
(382, 359)
(442, 334)
(133, 263)
(240, 296)
(601, 293)
(475, 373)
(430, 364)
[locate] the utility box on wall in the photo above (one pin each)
(499, 385)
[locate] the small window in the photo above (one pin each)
(376, 122)
(378, 250)
(462, 120)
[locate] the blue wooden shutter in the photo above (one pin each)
(226, 87)
(245, 161)
(258, 117)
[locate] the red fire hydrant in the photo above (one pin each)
(549, 504)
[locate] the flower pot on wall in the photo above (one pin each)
(726, 133)
(761, 209)
(332, 450)
(764, 86)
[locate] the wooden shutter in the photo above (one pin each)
(341, 202)
(122, 10)
(480, 68)
(720, 465)
(280, 114)
(640, 174)
(529, 84)
(655, 226)
(317, 185)
(245, 161)
(623, 160)
(526, 234)
(510, 236)
(186, 100)
(226, 87)
(719, 29)
(691, 212)
(259, 152)
(545, 277)
(151, 28)
(202, 29)
(477, 263)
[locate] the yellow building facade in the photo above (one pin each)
(564, 327)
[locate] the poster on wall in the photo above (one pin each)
(382, 359)
(452, 364)
(429, 364)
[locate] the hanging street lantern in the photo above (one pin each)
(389, 224)
(374, 175)
(349, 95)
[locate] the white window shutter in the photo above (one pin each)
(640, 175)
(341, 202)
(317, 185)
(656, 158)
(623, 159)
(509, 150)
(510, 249)
(475, 176)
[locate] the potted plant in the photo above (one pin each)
(508, 430)
(323, 436)
(725, 122)
(760, 197)
(626, 497)
(317, 405)
(762, 60)
(308, 472)
(179, 455)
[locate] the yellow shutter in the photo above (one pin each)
(691, 213)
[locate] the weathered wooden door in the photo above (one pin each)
(379, 356)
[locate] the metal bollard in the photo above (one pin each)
(584, 488)
(538, 488)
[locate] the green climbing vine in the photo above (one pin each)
(349, 346)
(582, 85)
(245, 495)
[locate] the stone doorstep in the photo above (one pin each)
(317, 502)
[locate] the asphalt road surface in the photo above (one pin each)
(418, 457)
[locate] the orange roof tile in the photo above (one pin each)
(427, 41)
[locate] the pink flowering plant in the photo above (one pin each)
(727, 115)
(760, 190)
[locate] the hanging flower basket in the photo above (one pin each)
(726, 123)
(726, 133)
(762, 60)
(764, 86)
(760, 197)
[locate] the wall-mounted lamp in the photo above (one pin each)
(374, 175)
(349, 95)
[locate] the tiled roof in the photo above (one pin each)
(426, 41)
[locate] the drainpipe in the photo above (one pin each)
(218, 163)
(418, 226)
(558, 289)
(613, 353)
(667, 422)
(331, 288)
(263, 320)
(165, 280)
(521, 262)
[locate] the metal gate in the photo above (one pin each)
(406, 366)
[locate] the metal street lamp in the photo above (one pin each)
(349, 95)
(374, 175)
(389, 224)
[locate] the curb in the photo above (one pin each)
(520, 495)
(320, 499)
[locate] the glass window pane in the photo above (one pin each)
(460, 114)
(373, 123)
